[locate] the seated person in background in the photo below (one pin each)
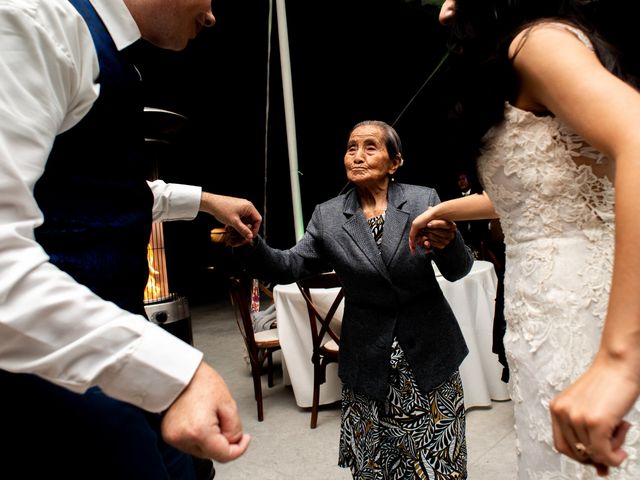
(400, 346)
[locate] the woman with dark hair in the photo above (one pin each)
(400, 345)
(555, 124)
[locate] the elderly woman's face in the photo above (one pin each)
(367, 161)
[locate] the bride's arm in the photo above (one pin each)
(472, 207)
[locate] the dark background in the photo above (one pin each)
(351, 60)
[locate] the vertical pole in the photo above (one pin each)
(287, 90)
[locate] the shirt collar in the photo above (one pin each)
(121, 26)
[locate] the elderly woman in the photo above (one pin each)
(400, 347)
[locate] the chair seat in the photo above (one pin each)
(331, 346)
(267, 338)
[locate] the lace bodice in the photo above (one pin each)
(544, 180)
(555, 197)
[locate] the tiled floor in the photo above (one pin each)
(283, 445)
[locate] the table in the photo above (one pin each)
(472, 300)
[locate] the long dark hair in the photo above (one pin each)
(481, 74)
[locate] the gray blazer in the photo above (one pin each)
(388, 291)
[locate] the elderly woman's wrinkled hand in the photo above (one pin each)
(419, 234)
(439, 233)
(233, 238)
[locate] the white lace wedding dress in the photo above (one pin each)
(555, 197)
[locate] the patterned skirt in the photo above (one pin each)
(411, 435)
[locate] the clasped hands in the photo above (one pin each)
(237, 214)
(430, 232)
(232, 238)
(437, 234)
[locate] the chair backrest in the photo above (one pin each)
(239, 291)
(325, 280)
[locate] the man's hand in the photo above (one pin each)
(203, 421)
(235, 212)
(233, 239)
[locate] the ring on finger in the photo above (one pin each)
(582, 449)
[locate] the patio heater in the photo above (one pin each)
(163, 307)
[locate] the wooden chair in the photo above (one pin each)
(325, 340)
(260, 345)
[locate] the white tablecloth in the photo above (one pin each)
(472, 300)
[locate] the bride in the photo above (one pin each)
(553, 125)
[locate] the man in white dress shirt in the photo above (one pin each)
(88, 387)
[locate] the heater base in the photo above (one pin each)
(172, 315)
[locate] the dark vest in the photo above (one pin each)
(93, 193)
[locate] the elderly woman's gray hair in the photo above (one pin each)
(391, 137)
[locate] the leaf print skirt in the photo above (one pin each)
(410, 435)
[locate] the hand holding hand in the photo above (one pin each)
(235, 212)
(203, 421)
(233, 238)
(471, 207)
(438, 234)
(430, 232)
(587, 418)
(418, 235)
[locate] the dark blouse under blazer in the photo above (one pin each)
(388, 291)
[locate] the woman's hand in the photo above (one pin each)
(232, 238)
(437, 234)
(471, 207)
(587, 418)
(419, 234)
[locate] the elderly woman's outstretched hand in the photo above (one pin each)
(238, 213)
(438, 234)
(233, 238)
